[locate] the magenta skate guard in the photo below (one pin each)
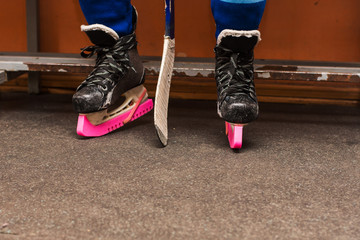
(87, 129)
(234, 133)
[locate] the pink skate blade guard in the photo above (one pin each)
(234, 132)
(87, 129)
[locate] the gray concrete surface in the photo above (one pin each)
(297, 176)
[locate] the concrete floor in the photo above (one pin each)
(297, 176)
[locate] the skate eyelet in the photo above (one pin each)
(103, 88)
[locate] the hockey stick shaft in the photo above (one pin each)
(170, 18)
(166, 69)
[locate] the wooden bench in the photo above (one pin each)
(269, 73)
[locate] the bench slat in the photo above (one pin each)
(264, 70)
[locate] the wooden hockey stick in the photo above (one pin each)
(164, 81)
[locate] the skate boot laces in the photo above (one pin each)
(112, 63)
(235, 74)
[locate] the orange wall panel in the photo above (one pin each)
(297, 29)
(59, 29)
(311, 30)
(12, 26)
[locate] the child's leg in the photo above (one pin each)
(237, 14)
(115, 14)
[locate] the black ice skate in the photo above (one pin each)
(113, 94)
(237, 103)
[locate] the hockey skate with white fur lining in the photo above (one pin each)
(113, 94)
(237, 102)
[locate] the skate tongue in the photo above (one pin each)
(238, 41)
(100, 35)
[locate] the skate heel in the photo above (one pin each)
(103, 122)
(234, 133)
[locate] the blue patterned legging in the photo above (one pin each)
(228, 14)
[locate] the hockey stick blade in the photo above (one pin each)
(163, 90)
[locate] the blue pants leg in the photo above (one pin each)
(115, 14)
(228, 14)
(237, 14)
